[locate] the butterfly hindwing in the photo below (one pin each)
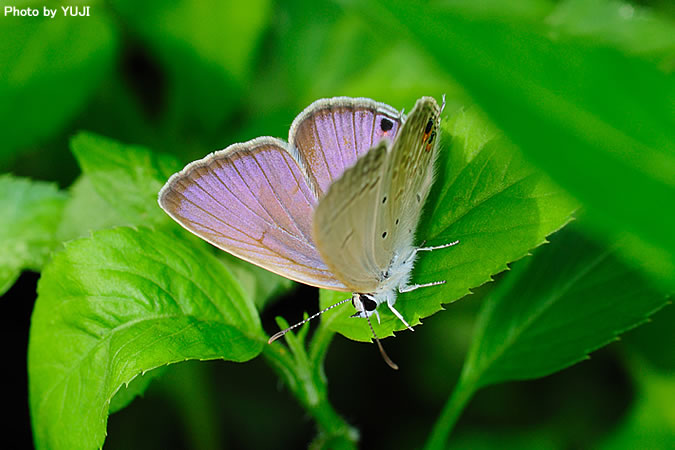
(345, 221)
(331, 134)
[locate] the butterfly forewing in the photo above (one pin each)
(252, 200)
(331, 134)
(372, 211)
(408, 177)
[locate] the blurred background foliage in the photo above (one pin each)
(186, 78)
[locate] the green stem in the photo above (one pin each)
(321, 340)
(304, 376)
(461, 395)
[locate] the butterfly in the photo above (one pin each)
(335, 207)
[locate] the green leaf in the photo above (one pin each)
(29, 214)
(654, 342)
(418, 74)
(50, 66)
(627, 26)
(650, 422)
(337, 53)
(487, 197)
(207, 48)
(136, 387)
(258, 284)
(115, 305)
(318, 55)
(86, 211)
(572, 298)
(126, 177)
(599, 121)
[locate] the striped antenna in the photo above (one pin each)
(386, 358)
(282, 332)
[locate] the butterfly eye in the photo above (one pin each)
(430, 125)
(368, 303)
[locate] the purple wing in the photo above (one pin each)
(252, 200)
(331, 134)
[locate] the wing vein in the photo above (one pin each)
(276, 196)
(272, 226)
(309, 201)
(356, 148)
(221, 221)
(272, 252)
(372, 132)
(341, 150)
(264, 220)
(323, 155)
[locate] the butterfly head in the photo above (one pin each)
(365, 305)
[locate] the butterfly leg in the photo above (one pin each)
(435, 247)
(400, 317)
(409, 288)
(413, 287)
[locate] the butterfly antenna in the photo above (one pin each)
(386, 358)
(282, 332)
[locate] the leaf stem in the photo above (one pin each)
(303, 374)
(461, 395)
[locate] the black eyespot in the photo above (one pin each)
(419, 199)
(384, 235)
(384, 200)
(432, 137)
(368, 303)
(396, 221)
(386, 124)
(430, 125)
